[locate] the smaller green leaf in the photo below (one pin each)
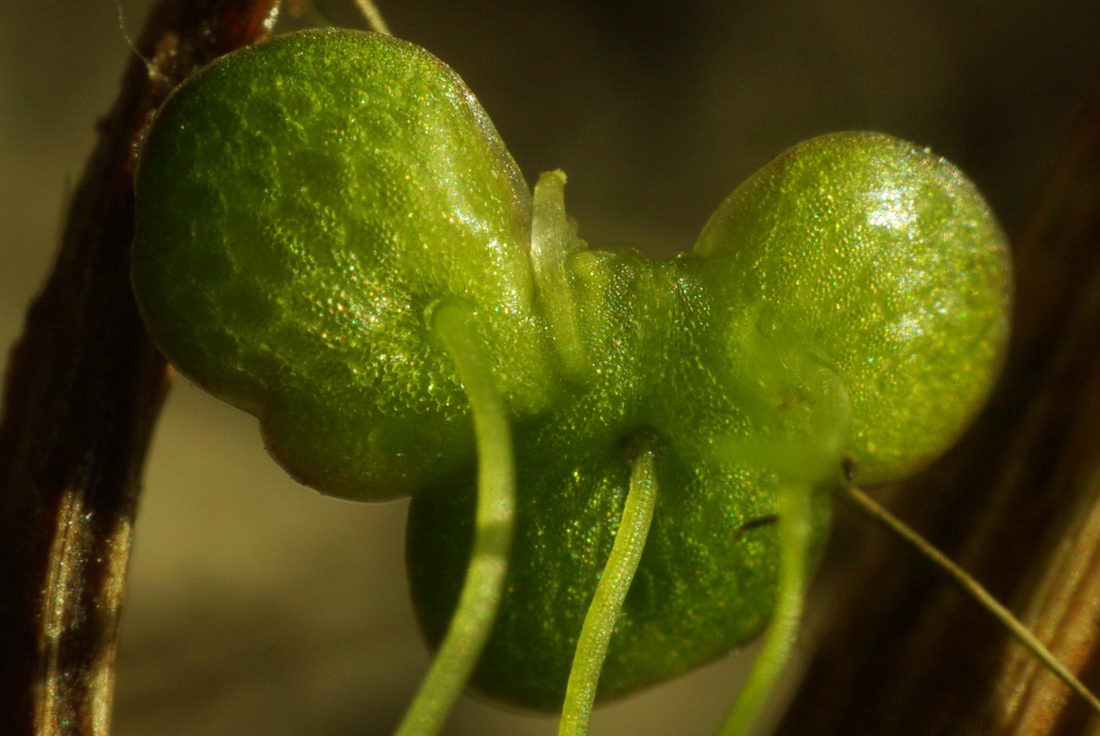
(884, 261)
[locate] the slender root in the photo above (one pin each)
(868, 505)
(795, 531)
(599, 621)
(484, 583)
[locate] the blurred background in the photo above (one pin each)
(258, 606)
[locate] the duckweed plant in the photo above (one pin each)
(620, 468)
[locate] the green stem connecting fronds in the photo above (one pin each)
(484, 584)
(868, 505)
(795, 532)
(618, 573)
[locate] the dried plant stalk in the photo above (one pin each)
(83, 390)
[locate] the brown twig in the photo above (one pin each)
(82, 393)
(1015, 504)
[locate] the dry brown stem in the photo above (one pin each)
(82, 393)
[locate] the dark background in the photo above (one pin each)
(257, 606)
